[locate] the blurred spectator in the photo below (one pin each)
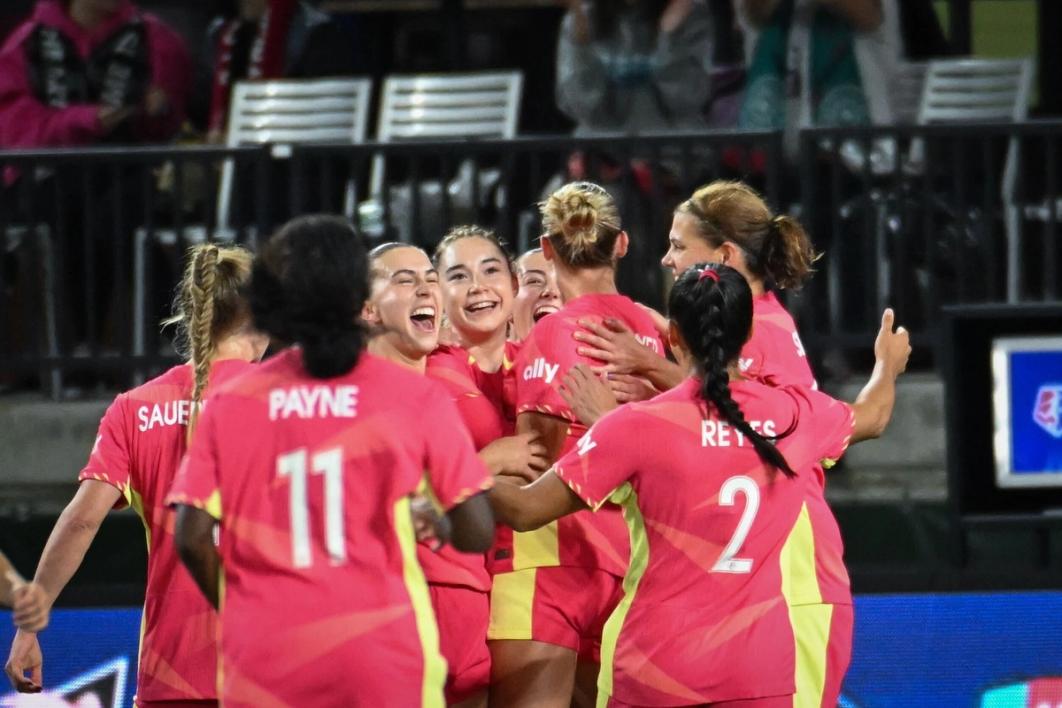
(86, 71)
(272, 39)
(634, 66)
(818, 63)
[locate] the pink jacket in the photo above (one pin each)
(26, 122)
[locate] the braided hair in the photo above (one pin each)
(712, 306)
(209, 306)
(308, 287)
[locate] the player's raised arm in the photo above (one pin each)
(873, 407)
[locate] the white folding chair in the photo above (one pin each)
(281, 113)
(981, 91)
(440, 106)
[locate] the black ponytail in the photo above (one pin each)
(712, 305)
(308, 287)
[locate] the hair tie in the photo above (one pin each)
(710, 274)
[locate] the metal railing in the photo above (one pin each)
(913, 217)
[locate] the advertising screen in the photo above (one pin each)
(992, 650)
(1027, 411)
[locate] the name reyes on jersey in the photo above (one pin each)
(541, 369)
(318, 401)
(719, 433)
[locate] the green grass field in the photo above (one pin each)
(1001, 28)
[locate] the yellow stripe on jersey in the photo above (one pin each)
(220, 680)
(213, 505)
(536, 549)
(811, 630)
(635, 570)
(434, 664)
(800, 580)
(425, 490)
(136, 503)
(512, 599)
(809, 618)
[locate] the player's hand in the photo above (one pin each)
(588, 396)
(627, 388)
(429, 526)
(30, 607)
(25, 657)
(521, 455)
(892, 348)
(612, 342)
(659, 321)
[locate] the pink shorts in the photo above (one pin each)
(565, 606)
(462, 615)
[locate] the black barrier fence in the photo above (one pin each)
(926, 216)
(913, 217)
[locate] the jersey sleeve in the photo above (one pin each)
(111, 460)
(602, 461)
(197, 483)
(454, 471)
(831, 423)
(540, 368)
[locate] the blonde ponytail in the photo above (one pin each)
(201, 323)
(210, 304)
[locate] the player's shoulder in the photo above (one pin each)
(758, 399)
(768, 311)
(449, 356)
(173, 384)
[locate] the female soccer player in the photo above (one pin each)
(709, 477)
(141, 440)
(402, 311)
(308, 464)
(537, 295)
(554, 587)
(728, 222)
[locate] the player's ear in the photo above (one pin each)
(622, 244)
(677, 345)
(370, 315)
(547, 247)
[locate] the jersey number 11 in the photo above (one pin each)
(329, 464)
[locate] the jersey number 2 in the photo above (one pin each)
(727, 562)
(328, 463)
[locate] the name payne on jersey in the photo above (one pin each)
(540, 369)
(319, 401)
(719, 433)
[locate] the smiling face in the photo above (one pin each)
(404, 305)
(538, 295)
(686, 246)
(477, 288)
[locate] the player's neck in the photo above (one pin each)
(86, 15)
(585, 281)
(380, 346)
(488, 351)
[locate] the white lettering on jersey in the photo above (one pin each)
(585, 444)
(719, 433)
(163, 414)
(648, 341)
(744, 364)
(799, 345)
(540, 369)
(313, 402)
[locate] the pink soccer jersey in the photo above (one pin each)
(310, 481)
(774, 355)
(583, 540)
(138, 449)
(710, 529)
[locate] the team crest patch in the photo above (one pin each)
(1048, 409)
